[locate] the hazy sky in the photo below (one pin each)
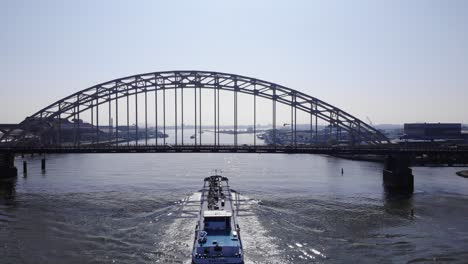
(394, 61)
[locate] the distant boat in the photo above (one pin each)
(194, 135)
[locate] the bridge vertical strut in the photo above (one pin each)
(274, 116)
(291, 124)
(175, 115)
(164, 115)
(218, 109)
(59, 139)
(116, 117)
(200, 113)
(295, 121)
(182, 114)
(111, 130)
(146, 116)
(92, 121)
(316, 125)
(78, 121)
(156, 108)
(128, 119)
(74, 126)
(195, 113)
(97, 116)
(359, 132)
(214, 114)
(136, 115)
(338, 133)
(255, 114)
(235, 112)
(311, 122)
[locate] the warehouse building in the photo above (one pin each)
(431, 131)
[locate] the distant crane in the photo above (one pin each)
(370, 121)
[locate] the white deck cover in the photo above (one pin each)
(217, 213)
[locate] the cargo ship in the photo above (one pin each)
(217, 233)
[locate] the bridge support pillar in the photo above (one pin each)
(7, 166)
(397, 176)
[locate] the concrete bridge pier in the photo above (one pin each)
(397, 176)
(7, 166)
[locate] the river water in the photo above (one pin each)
(141, 208)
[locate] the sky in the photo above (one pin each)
(389, 61)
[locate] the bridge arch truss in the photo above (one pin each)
(91, 99)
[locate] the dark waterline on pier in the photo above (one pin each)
(125, 208)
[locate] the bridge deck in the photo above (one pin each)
(333, 150)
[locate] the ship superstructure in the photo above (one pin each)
(217, 234)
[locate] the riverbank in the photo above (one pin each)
(373, 158)
(463, 173)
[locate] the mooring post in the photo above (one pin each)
(25, 167)
(43, 164)
(7, 166)
(397, 176)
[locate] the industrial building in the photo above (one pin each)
(431, 131)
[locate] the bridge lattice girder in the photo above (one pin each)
(141, 83)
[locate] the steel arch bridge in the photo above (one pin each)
(46, 124)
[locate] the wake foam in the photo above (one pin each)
(259, 246)
(177, 239)
(178, 236)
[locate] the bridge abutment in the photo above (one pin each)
(397, 176)
(7, 166)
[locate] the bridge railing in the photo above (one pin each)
(387, 149)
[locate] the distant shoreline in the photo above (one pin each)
(463, 173)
